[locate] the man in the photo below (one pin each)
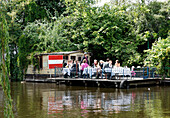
(85, 57)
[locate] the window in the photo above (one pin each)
(79, 58)
(65, 57)
(73, 57)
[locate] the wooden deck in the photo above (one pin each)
(116, 83)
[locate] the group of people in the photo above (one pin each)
(75, 67)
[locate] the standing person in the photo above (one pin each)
(117, 64)
(83, 65)
(85, 57)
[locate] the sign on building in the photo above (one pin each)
(55, 61)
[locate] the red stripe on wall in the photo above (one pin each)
(52, 66)
(55, 57)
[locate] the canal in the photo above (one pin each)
(48, 100)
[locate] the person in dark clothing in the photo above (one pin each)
(75, 68)
(101, 64)
(106, 65)
(64, 64)
(85, 57)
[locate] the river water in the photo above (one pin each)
(48, 100)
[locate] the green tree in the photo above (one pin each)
(19, 14)
(54, 7)
(158, 56)
(5, 61)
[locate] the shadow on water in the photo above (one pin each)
(35, 100)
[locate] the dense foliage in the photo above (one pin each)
(158, 56)
(119, 30)
(5, 61)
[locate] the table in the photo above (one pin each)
(90, 71)
(116, 71)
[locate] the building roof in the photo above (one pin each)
(62, 53)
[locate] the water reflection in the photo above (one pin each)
(49, 100)
(88, 102)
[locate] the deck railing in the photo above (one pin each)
(107, 73)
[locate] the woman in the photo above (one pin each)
(83, 65)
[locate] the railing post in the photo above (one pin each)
(143, 72)
(55, 71)
(153, 73)
(91, 72)
(123, 73)
(147, 72)
(131, 73)
(111, 73)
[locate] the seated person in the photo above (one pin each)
(95, 64)
(110, 66)
(75, 68)
(69, 65)
(117, 64)
(97, 67)
(83, 65)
